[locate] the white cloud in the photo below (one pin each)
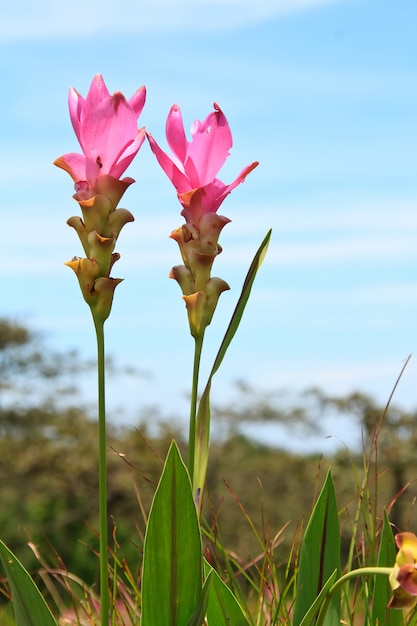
(40, 19)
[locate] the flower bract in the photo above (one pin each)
(106, 128)
(194, 165)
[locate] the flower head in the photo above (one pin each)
(192, 169)
(194, 165)
(403, 578)
(106, 128)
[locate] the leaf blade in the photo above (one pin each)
(381, 613)
(172, 560)
(223, 607)
(203, 413)
(320, 556)
(29, 605)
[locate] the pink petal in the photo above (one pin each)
(407, 577)
(176, 138)
(197, 203)
(207, 199)
(107, 130)
(74, 164)
(93, 170)
(224, 190)
(137, 101)
(219, 190)
(97, 92)
(128, 155)
(75, 105)
(178, 179)
(208, 149)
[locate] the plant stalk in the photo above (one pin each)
(198, 346)
(102, 464)
(362, 571)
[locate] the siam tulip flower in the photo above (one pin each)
(106, 128)
(193, 169)
(194, 165)
(403, 578)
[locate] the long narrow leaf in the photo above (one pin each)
(223, 608)
(241, 303)
(310, 617)
(172, 559)
(200, 611)
(382, 594)
(29, 606)
(203, 414)
(320, 556)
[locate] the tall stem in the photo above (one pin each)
(102, 464)
(363, 571)
(198, 346)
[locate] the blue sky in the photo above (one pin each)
(322, 93)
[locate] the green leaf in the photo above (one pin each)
(29, 606)
(200, 610)
(203, 414)
(381, 613)
(172, 559)
(241, 304)
(223, 608)
(311, 614)
(319, 557)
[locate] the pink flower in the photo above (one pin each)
(194, 165)
(106, 128)
(403, 578)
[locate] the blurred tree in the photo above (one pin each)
(48, 463)
(27, 367)
(390, 432)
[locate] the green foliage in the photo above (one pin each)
(203, 413)
(320, 556)
(29, 605)
(256, 495)
(172, 561)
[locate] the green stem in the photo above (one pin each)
(102, 464)
(362, 571)
(198, 346)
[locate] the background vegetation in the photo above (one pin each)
(48, 467)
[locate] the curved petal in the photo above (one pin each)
(407, 543)
(93, 169)
(401, 599)
(74, 164)
(97, 92)
(208, 149)
(137, 101)
(223, 190)
(198, 202)
(178, 179)
(107, 129)
(176, 138)
(75, 105)
(127, 156)
(407, 577)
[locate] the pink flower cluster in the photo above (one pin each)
(107, 131)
